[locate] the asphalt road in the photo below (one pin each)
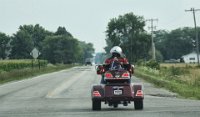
(67, 93)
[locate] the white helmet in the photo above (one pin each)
(116, 49)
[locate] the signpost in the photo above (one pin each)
(35, 53)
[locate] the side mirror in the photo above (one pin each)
(100, 69)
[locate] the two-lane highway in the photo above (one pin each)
(67, 93)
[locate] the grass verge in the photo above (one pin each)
(20, 74)
(172, 84)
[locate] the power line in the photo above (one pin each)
(193, 10)
(152, 27)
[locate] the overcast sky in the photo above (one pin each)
(87, 19)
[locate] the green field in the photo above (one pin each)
(9, 65)
(11, 70)
(183, 79)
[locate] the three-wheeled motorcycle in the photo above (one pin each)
(117, 87)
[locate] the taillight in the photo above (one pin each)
(96, 94)
(108, 75)
(126, 75)
(139, 93)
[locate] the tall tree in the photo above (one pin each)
(128, 32)
(57, 47)
(62, 31)
(175, 43)
(38, 35)
(4, 45)
(21, 45)
(61, 49)
(29, 36)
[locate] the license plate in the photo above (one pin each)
(117, 92)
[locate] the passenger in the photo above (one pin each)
(117, 54)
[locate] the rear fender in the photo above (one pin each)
(129, 68)
(138, 91)
(97, 92)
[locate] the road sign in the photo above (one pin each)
(35, 53)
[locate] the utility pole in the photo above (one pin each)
(152, 27)
(193, 10)
(131, 50)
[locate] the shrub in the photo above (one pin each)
(140, 62)
(177, 71)
(153, 64)
(198, 66)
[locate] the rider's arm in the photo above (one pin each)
(107, 61)
(125, 61)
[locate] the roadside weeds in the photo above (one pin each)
(19, 74)
(172, 83)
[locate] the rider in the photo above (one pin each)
(116, 52)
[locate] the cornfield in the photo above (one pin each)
(8, 65)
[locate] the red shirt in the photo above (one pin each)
(121, 60)
(108, 61)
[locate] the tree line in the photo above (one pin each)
(127, 31)
(56, 47)
(176, 43)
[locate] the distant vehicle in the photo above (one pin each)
(88, 61)
(117, 89)
(172, 61)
